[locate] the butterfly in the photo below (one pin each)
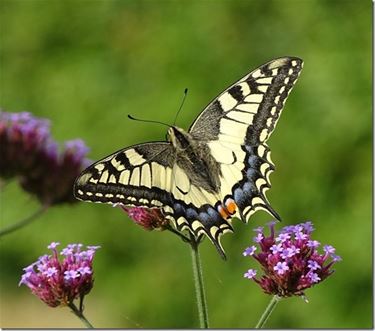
(219, 169)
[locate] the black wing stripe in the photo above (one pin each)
(273, 102)
(236, 93)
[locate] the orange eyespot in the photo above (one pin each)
(231, 206)
(227, 210)
(223, 212)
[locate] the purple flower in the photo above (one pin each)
(66, 251)
(258, 238)
(313, 265)
(148, 218)
(276, 248)
(289, 252)
(52, 182)
(27, 151)
(70, 275)
(258, 229)
(53, 245)
(336, 258)
(22, 139)
(313, 243)
(249, 251)
(50, 271)
(94, 248)
(287, 229)
(314, 278)
(328, 249)
(290, 261)
(298, 228)
(308, 226)
(271, 224)
(300, 235)
(250, 274)
(281, 267)
(294, 250)
(60, 282)
(85, 270)
(283, 237)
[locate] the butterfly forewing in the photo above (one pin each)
(236, 126)
(136, 176)
(248, 110)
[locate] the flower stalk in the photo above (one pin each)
(79, 314)
(199, 286)
(153, 219)
(267, 313)
(13, 227)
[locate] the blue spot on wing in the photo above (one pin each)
(191, 213)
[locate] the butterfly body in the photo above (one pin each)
(216, 170)
(194, 157)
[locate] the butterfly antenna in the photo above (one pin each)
(182, 103)
(147, 121)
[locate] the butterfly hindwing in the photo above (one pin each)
(146, 175)
(196, 209)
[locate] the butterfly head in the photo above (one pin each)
(179, 138)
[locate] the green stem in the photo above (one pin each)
(184, 238)
(267, 313)
(26, 221)
(199, 286)
(80, 315)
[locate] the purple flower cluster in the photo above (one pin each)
(22, 138)
(27, 151)
(149, 218)
(58, 283)
(290, 261)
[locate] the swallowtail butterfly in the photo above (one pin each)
(216, 170)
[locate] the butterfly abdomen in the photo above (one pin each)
(194, 157)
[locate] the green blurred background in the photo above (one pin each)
(86, 64)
